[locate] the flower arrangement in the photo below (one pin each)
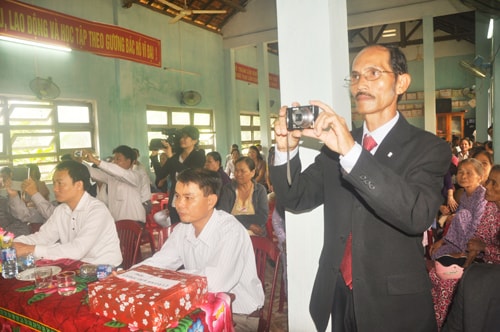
(6, 238)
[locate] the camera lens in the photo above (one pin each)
(303, 118)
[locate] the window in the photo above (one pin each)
(250, 130)
(162, 121)
(40, 132)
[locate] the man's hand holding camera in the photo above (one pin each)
(328, 127)
(29, 186)
(88, 156)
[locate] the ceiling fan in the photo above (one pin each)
(185, 11)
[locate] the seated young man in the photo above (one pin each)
(80, 228)
(211, 242)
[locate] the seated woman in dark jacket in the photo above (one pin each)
(246, 199)
(213, 162)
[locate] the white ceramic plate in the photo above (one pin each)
(29, 274)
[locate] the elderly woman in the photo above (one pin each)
(213, 162)
(473, 214)
(486, 159)
(464, 223)
(245, 198)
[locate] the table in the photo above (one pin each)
(19, 310)
(52, 313)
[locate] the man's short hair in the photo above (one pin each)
(397, 60)
(66, 156)
(76, 171)
(6, 171)
(208, 181)
(126, 151)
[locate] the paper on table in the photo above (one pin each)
(148, 279)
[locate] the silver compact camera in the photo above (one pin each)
(78, 153)
(301, 117)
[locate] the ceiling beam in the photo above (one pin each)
(234, 4)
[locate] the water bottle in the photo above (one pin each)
(9, 263)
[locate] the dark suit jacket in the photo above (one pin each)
(387, 200)
(476, 305)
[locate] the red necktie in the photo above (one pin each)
(346, 264)
(368, 142)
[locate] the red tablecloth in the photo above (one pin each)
(52, 313)
(18, 309)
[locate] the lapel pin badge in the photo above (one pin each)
(389, 154)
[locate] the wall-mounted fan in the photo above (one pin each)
(190, 98)
(477, 67)
(185, 11)
(471, 94)
(44, 88)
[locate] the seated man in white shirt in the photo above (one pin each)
(40, 209)
(211, 242)
(80, 228)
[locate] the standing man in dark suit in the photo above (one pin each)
(378, 201)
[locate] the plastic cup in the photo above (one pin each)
(43, 277)
(66, 284)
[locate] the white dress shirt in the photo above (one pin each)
(222, 252)
(145, 186)
(124, 190)
(37, 214)
(88, 233)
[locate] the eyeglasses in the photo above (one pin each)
(371, 74)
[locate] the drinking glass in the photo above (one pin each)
(43, 277)
(66, 284)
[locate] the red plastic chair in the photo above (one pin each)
(152, 228)
(265, 250)
(156, 197)
(163, 234)
(129, 233)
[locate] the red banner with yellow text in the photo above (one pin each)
(246, 73)
(250, 75)
(27, 22)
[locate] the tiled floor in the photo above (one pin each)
(279, 320)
